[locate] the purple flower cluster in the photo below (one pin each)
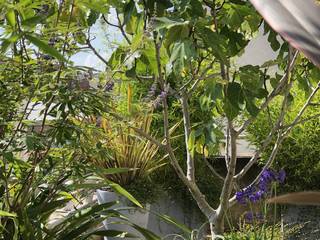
(158, 101)
(109, 86)
(250, 216)
(254, 194)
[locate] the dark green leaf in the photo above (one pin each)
(182, 54)
(93, 17)
(45, 47)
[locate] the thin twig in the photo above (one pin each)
(303, 109)
(94, 50)
(119, 26)
(302, 121)
(212, 169)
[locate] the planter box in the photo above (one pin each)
(135, 215)
(146, 218)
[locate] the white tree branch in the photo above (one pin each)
(228, 181)
(273, 94)
(187, 130)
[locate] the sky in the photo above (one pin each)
(106, 39)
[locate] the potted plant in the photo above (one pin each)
(110, 147)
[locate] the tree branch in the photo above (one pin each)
(303, 109)
(276, 128)
(273, 94)
(204, 206)
(120, 26)
(302, 120)
(211, 168)
(94, 50)
(228, 181)
(227, 155)
(187, 129)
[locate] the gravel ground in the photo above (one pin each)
(301, 223)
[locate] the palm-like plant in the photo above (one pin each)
(120, 147)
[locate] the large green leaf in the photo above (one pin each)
(48, 208)
(234, 100)
(129, 10)
(80, 229)
(117, 188)
(176, 33)
(149, 54)
(11, 18)
(45, 47)
(182, 54)
(6, 43)
(82, 215)
(250, 77)
(217, 43)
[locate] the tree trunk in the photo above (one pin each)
(217, 227)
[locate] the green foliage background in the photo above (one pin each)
(300, 151)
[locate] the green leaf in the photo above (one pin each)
(250, 77)
(100, 6)
(164, 22)
(272, 37)
(182, 54)
(149, 53)
(48, 208)
(304, 84)
(82, 215)
(7, 214)
(234, 100)
(93, 17)
(174, 222)
(146, 233)
(251, 107)
(11, 18)
(235, 95)
(129, 10)
(117, 188)
(236, 41)
(176, 33)
(191, 140)
(45, 47)
(217, 43)
(8, 41)
(110, 233)
(33, 20)
(81, 228)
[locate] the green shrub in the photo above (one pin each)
(249, 232)
(300, 151)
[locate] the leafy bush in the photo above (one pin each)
(300, 151)
(250, 232)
